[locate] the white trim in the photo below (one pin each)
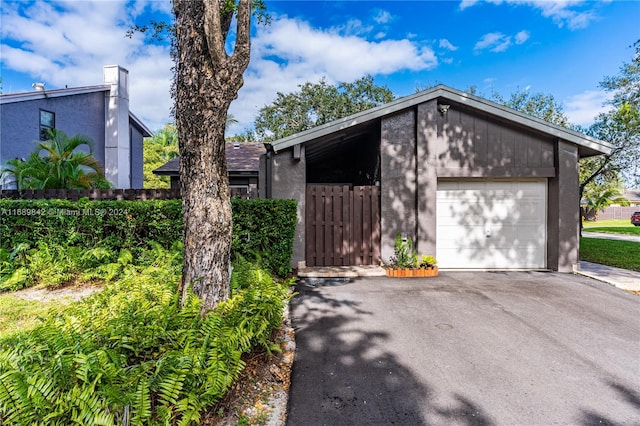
(140, 124)
(42, 94)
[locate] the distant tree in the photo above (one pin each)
(315, 104)
(599, 197)
(538, 105)
(58, 164)
(626, 85)
(158, 150)
(620, 127)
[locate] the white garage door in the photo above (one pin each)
(491, 224)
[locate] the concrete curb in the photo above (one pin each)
(620, 278)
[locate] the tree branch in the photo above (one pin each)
(213, 31)
(242, 49)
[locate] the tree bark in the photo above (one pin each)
(207, 80)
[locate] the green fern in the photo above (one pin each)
(132, 354)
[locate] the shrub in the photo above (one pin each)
(261, 228)
(132, 355)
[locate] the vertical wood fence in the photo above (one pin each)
(342, 225)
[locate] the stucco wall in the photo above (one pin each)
(78, 114)
(421, 145)
(288, 181)
(398, 180)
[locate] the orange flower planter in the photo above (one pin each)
(412, 272)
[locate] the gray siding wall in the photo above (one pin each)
(78, 114)
(288, 181)
(420, 145)
(563, 213)
(137, 160)
(398, 180)
(474, 146)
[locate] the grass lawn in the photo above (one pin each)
(17, 314)
(619, 226)
(621, 254)
(608, 223)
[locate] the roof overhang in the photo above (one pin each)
(587, 146)
(146, 132)
(43, 94)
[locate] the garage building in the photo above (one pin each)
(476, 184)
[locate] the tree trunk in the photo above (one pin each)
(207, 80)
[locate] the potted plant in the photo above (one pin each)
(405, 263)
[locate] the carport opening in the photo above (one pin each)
(349, 159)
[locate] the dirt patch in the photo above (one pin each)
(74, 292)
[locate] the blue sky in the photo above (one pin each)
(563, 48)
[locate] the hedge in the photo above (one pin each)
(261, 228)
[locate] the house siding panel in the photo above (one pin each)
(77, 114)
(474, 145)
(137, 161)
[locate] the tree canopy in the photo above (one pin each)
(620, 127)
(315, 104)
(538, 105)
(158, 149)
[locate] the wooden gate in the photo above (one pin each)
(342, 225)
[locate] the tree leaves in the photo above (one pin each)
(317, 103)
(55, 164)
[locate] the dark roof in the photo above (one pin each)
(241, 157)
(170, 168)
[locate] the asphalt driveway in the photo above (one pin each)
(514, 348)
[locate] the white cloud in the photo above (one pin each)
(495, 42)
(446, 44)
(290, 52)
(467, 3)
(383, 17)
(68, 43)
(522, 37)
(571, 13)
(498, 42)
(584, 107)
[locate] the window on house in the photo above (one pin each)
(239, 191)
(47, 122)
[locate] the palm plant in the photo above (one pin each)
(600, 197)
(56, 164)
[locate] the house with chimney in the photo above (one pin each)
(100, 112)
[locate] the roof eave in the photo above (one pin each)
(452, 95)
(54, 93)
(146, 132)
